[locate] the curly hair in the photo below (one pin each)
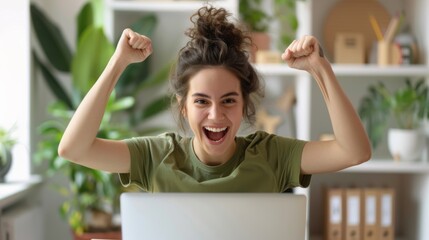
(215, 42)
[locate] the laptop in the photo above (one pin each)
(213, 216)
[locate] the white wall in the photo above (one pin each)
(14, 82)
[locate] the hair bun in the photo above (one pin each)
(211, 28)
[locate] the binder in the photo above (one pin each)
(334, 213)
(387, 214)
(371, 214)
(353, 222)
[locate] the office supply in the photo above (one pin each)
(392, 29)
(334, 217)
(371, 214)
(213, 216)
(349, 48)
(384, 50)
(353, 214)
(352, 16)
(387, 214)
(376, 28)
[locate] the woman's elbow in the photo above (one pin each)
(66, 152)
(362, 156)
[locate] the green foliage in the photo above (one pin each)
(51, 40)
(252, 14)
(285, 13)
(90, 189)
(7, 141)
(6, 137)
(92, 55)
(408, 106)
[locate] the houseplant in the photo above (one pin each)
(285, 13)
(90, 192)
(408, 106)
(7, 141)
(256, 21)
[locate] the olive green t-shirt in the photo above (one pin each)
(262, 163)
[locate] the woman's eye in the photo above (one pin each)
(229, 100)
(200, 101)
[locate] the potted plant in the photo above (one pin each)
(7, 141)
(92, 197)
(408, 106)
(285, 13)
(255, 20)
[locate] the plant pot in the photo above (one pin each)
(101, 235)
(260, 42)
(405, 144)
(5, 161)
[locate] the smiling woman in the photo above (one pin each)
(214, 88)
(214, 111)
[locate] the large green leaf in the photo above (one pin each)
(155, 107)
(53, 83)
(145, 25)
(93, 53)
(98, 8)
(121, 104)
(154, 79)
(51, 40)
(137, 72)
(91, 14)
(85, 19)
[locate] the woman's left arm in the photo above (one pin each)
(351, 145)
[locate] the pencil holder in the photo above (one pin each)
(383, 53)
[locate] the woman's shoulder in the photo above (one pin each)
(257, 136)
(262, 138)
(172, 138)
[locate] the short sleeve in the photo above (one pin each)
(140, 163)
(146, 154)
(284, 156)
(290, 155)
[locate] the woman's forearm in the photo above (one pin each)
(84, 125)
(350, 135)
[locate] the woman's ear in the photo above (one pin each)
(183, 111)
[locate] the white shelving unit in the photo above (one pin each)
(173, 20)
(411, 180)
(164, 6)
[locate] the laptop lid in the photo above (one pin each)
(210, 216)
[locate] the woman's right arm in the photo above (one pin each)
(79, 143)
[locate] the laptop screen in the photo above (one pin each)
(210, 216)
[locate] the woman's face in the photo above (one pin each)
(214, 110)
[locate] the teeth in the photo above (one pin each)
(215, 129)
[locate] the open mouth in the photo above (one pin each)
(215, 134)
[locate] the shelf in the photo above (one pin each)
(11, 192)
(316, 237)
(280, 69)
(350, 70)
(389, 166)
(156, 6)
(375, 70)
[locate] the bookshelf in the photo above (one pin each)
(411, 179)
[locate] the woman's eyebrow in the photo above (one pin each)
(200, 95)
(223, 96)
(230, 94)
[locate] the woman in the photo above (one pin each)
(214, 84)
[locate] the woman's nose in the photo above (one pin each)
(216, 112)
